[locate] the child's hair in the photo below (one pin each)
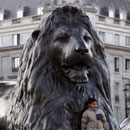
(91, 100)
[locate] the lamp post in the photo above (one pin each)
(125, 93)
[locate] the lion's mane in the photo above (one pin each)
(44, 99)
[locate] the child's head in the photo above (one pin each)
(92, 103)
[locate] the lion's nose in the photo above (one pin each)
(81, 50)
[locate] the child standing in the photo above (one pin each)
(93, 118)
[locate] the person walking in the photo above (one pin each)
(93, 118)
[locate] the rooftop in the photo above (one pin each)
(12, 6)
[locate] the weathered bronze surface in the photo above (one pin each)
(62, 65)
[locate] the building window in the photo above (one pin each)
(117, 113)
(127, 41)
(54, 2)
(111, 13)
(116, 39)
(1, 16)
(128, 92)
(128, 111)
(19, 13)
(15, 64)
(102, 36)
(127, 64)
(116, 63)
(122, 15)
(39, 10)
(117, 92)
(128, 98)
(16, 39)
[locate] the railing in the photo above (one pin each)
(127, 23)
(116, 21)
(25, 20)
(101, 18)
(116, 69)
(14, 69)
(36, 18)
(16, 21)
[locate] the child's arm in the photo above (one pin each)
(84, 121)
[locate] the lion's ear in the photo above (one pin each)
(35, 34)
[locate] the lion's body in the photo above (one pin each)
(63, 64)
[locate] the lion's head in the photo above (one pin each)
(63, 64)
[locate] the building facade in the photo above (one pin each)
(110, 18)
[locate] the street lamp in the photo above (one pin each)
(125, 93)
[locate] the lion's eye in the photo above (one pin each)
(86, 38)
(62, 38)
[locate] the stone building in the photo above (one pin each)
(18, 18)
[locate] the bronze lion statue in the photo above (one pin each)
(62, 65)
